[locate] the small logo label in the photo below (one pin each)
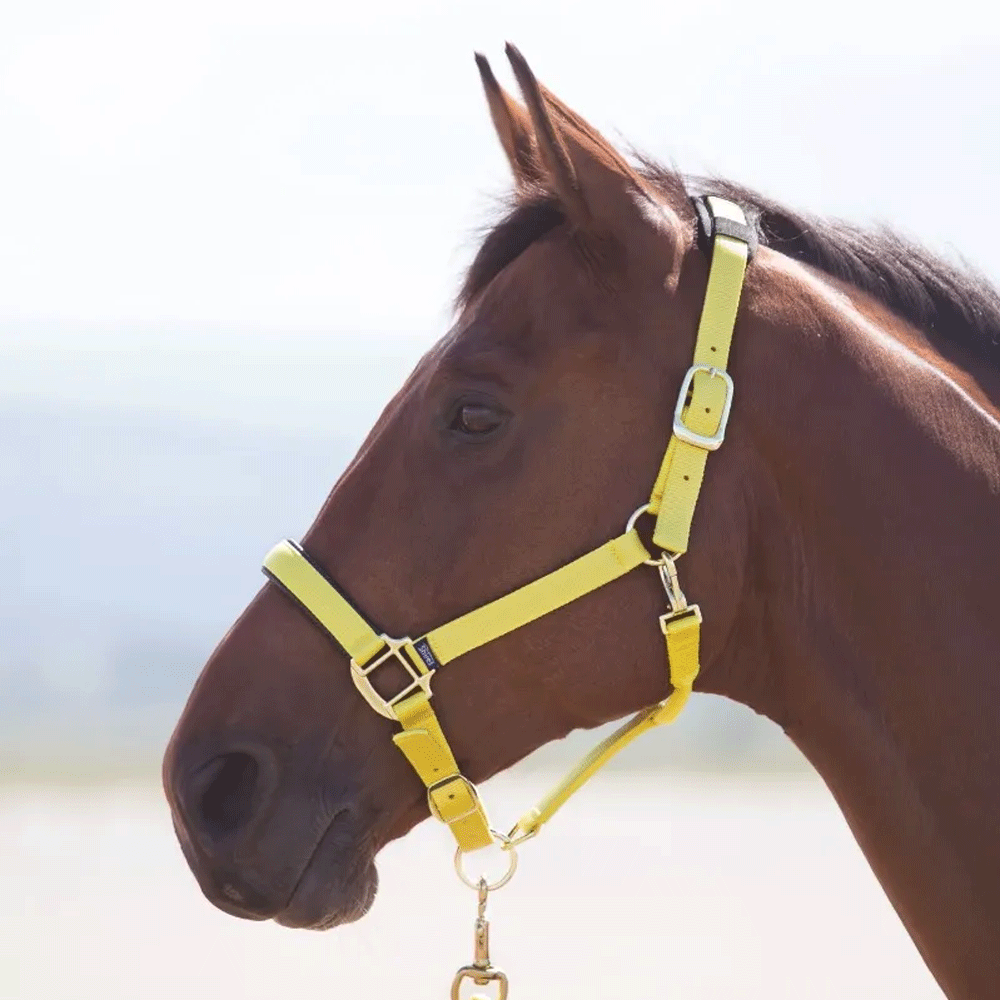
(423, 647)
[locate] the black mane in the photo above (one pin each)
(954, 306)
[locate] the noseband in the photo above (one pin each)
(699, 427)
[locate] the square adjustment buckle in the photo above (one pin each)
(396, 649)
(710, 442)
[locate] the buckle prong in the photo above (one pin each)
(710, 442)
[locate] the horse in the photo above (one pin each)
(843, 554)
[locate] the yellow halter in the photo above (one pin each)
(699, 427)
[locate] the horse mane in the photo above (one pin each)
(954, 306)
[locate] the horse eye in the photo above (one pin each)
(475, 419)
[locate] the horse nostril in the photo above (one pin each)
(227, 801)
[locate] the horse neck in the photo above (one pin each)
(881, 530)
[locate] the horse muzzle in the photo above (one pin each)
(260, 851)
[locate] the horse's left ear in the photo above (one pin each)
(513, 128)
(598, 189)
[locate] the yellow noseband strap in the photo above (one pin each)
(451, 796)
(700, 419)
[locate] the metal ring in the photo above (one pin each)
(644, 509)
(505, 843)
(635, 517)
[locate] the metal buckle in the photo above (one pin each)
(710, 442)
(418, 681)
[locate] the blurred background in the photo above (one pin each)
(198, 201)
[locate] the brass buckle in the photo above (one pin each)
(710, 442)
(385, 706)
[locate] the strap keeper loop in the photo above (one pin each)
(439, 786)
(711, 225)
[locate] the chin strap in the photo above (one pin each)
(699, 427)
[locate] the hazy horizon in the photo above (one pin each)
(231, 230)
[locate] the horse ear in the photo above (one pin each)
(592, 180)
(513, 128)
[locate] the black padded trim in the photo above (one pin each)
(709, 226)
(319, 569)
(737, 230)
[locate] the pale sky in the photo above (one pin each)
(192, 189)
(223, 164)
(259, 211)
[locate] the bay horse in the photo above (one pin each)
(844, 553)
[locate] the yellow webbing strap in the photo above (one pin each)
(452, 798)
(673, 500)
(675, 492)
(682, 638)
(290, 567)
(698, 428)
(591, 571)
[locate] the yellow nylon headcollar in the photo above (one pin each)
(699, 427)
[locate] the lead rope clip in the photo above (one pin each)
(481, 971)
